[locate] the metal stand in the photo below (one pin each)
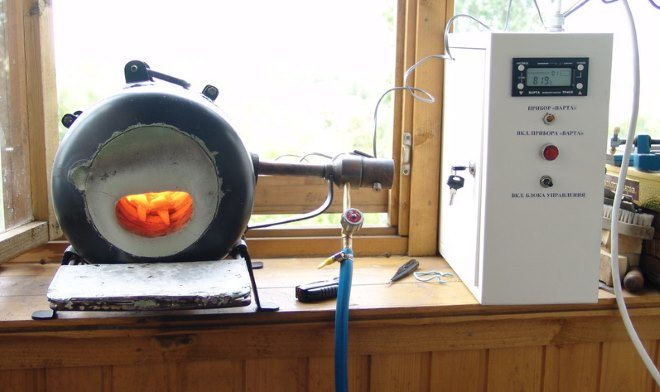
(242, 250)
(47, 314)
(71, 257)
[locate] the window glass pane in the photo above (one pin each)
(493, 13)
(295, 77)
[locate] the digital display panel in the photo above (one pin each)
(549, 77)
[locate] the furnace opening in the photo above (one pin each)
(154, 214)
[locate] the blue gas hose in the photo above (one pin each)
(341, 321)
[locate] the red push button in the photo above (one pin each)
(550, 152)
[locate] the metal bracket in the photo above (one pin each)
(71, 257)
(138, 72)
(48, 314)
(472, 169)
(242, 250)
(210, 92)
(406, 152)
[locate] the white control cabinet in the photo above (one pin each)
(527, 114)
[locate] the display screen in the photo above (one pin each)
(549, 77)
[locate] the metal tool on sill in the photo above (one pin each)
(125, 197)
(406, 269)
(317, 291)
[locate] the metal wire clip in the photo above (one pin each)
(430, 276)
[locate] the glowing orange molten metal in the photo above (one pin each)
(154, 214)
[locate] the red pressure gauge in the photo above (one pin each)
(550, 152)
(354, 216)
(351, 221)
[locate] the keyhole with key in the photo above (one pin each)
(455, 183)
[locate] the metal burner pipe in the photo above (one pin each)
(360, 172)
(273, 168)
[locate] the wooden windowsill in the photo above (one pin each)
(310, 242)
(21, 239)
(274, 243)
(23, 285)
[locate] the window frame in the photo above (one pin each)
(412, 203)
(29, 28)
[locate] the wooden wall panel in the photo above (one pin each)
(579, 367)
(460, 371)
(22, 380)
(152, 377)
(550, 369)
(202, 376)
(321, 374)
(276, 375)
(622, 370)
(402, 372)
(515, 369)
(572, 368)
(79, 379)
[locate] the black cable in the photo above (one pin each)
(580, 4)
(286, 155)
(508, 15)
(575, 7)
(538, 10)
(315, 154)
(375, 133)
(326, 204)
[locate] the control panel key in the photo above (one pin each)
(455, 183)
